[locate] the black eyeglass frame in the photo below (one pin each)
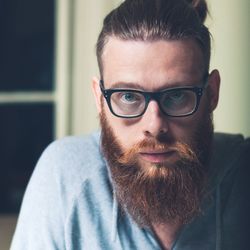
(155, 96)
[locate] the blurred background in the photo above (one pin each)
(47, 61)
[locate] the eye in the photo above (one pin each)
(130, 97)
(176, 96)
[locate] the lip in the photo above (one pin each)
(157, 157)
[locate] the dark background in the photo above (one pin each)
(26, 64)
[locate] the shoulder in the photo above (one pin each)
(228, 148)
(74, 153)
(74, 147)
(70, 163)
(230, 156)
(223, 139)
(231, 165)
(68, 170)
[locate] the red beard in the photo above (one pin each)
(159, 193)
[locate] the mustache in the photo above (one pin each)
(184, 151)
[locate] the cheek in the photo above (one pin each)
(127, 135)
(123, 130)
(185, 129)
(182, 130)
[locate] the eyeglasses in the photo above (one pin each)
(173, 102)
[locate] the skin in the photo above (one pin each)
(154, 66)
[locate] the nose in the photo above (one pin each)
(154, 121)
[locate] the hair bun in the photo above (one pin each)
(200, 7)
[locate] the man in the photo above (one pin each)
(156, 177)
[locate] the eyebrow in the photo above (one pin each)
(127, 85)
(136, 86)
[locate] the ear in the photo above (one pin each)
(214, 88)
(97, 93)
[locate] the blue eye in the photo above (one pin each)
(129, 97)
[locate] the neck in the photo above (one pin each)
(166, 233)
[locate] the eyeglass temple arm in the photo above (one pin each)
(101, 83)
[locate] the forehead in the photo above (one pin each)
(154, 63)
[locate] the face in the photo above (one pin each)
(154, 66)
(162, 142)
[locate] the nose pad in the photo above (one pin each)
(155, 122)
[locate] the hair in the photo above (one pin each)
(152, 20)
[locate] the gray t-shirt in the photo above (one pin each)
(69, 203)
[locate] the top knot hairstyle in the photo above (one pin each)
(151, 20)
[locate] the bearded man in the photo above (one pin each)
(156, 176)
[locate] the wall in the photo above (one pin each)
(230, 26)
(88, 19)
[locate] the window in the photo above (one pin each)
(27, 92)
